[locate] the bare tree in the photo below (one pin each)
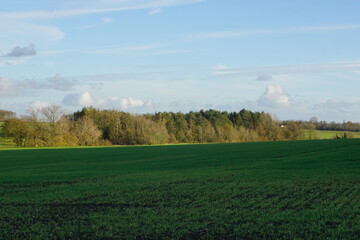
(86, 132)
(45, 121)
(52, 114)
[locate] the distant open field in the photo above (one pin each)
(5, 142)
(272, 190)
(331, 134)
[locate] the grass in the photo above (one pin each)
(5, 142)
(324, 134)
(332, 134)
(273, 190)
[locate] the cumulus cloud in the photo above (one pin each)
(274, 97)
(86, 99)
(56, 82)
(264, 77)
(132, 102)
(128, 103)
(37, 106)
(80, 99)
(22, 51)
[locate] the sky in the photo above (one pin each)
(294, 59)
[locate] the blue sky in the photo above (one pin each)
(295, 59)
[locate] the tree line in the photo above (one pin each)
(347, 127)
(50, 126)
(334, 126)
(5, 115)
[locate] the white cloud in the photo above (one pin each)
(128, 103)
(256, 32)
(51, 33)
(221, 67)
(34, 15)
(86, 99)
(336, 103)
(37, 106)
(103, 21)
(10, 62)
(20, 33)
(81, 99)
(21, 27)
(56, 82)
(336, 109)
(131, 102)
(17, 88)
(293, 69)
(186, 105)
(274, 97)
(93, 7)
(22, 51)
(264, 77)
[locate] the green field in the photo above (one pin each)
(272, 190)
(332, 134)
(321, 134)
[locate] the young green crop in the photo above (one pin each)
(270, 190)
